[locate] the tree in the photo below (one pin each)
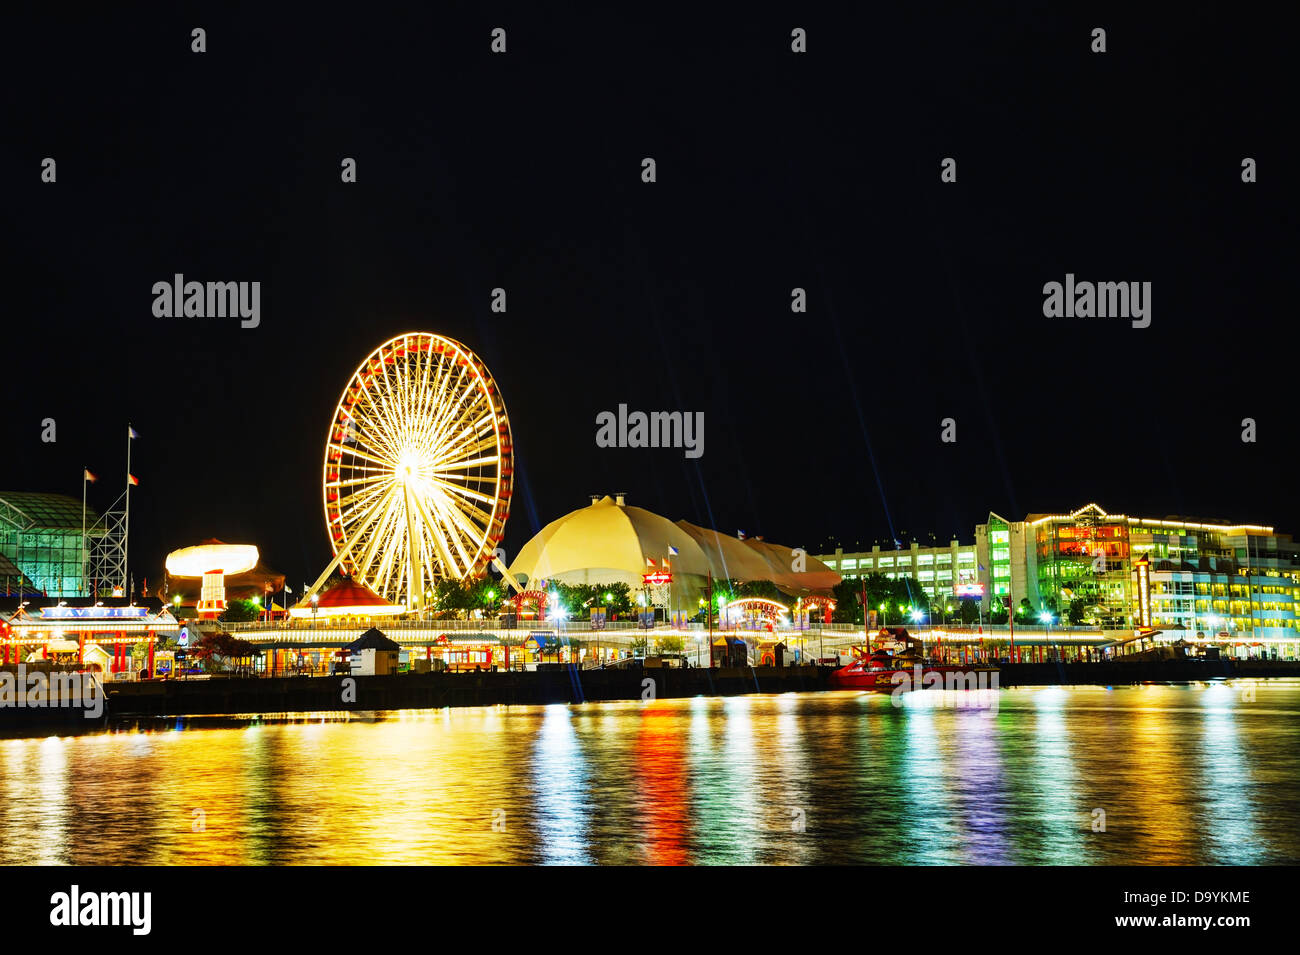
(241, 611)
(969, 611)
(452, 597)
(212, 648)
(760, 588)
(880, 590)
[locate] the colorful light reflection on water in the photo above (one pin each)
(1185, 775)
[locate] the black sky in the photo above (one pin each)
(775, 170)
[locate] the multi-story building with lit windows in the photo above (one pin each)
(1059, 561)
(1209, 580)
(1231, 582)
(938, 571)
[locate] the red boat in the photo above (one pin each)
(883, 670)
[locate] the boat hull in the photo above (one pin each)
(855, 677)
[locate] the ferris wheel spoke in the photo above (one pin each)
(360, 478)
(375, 475)
(467, 544)
(467, 464)
(355, 530)
(365, 405)
(370, 422)
(467, 443)
(454, 516)
(373, 459)
(448, 488)
(365, 417)
(391, 424)
(375, 442)
(353, 502)
(466, 446)
(438, 399)
(389, 561)
(437, 539)
(379, 531)
(478, 520)
(451, 412)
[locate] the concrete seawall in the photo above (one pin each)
(435, 690)
(561, 684)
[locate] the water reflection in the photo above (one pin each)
(1193, 775)
(559, 789)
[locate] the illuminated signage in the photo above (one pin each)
(93, 613)
(657, 579)
(969, 590)
(1144, 591)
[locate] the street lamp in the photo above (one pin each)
(1046, 617)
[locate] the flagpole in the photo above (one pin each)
(85, 583)
(126, 533)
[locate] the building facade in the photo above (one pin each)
(1213, 581)
(42, 551)
(938, 571)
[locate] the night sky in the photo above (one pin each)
(775, 171)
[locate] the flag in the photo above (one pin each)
(132, 479)
(87, 476)
(131, 432)
(672, 550)
(287, 588)
(649, 562)
(982, 568)
(740, 534)
(665, 563)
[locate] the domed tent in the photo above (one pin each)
(608, 542)
(728, 556)
(794, 573)
(613, 542)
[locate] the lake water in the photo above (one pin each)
(1183, 774)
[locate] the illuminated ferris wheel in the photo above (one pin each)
(418, 468)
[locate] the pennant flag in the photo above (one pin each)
(131, 432)
(649, 562)
(672, 550)
(88, 476)
(132, 479)
(740, 534)
(665, 563)
(287, 588)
